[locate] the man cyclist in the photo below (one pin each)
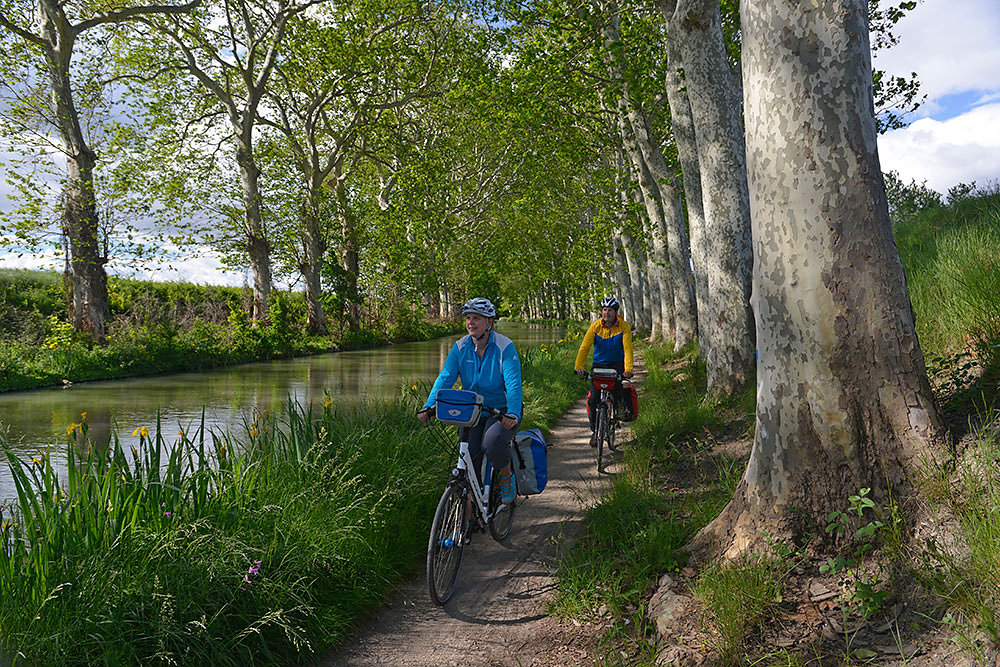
(487, 364)
(611, 339)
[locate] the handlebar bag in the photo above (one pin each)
(604, 378)
(529, 461)
(458, 406)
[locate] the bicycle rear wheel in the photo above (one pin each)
(447, 542)
(503, 517)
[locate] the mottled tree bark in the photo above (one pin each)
(682, 126)
(675, 251)
(350, 252)
(258, 247)
(88, 279)
(625, 287)
(313, 249)
(672, 309)
(843, 400)
(632, 261)
(89, 312)
(648, 196)
(695, 31)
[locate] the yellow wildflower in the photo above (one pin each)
(71, 428)
(83, 416)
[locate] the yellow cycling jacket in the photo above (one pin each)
(610, 345)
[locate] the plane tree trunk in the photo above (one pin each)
(843, 399)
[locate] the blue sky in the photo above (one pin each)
(953, 138)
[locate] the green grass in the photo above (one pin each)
(262, 548)
(669, 488)
(965, 576)
(739, 596)
(951, 255)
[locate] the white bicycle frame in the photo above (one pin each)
(479, 494)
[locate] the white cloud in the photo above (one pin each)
(962, 149)
(952, 46)
(44, 261)
(204, 269)
(196, 265)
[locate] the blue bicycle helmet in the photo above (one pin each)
(480, 306)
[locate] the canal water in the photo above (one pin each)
(35, 421)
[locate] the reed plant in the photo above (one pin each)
(261, 547)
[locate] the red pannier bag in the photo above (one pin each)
(631, 403)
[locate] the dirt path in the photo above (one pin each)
(497, 615)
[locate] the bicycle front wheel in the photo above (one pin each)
(503, 515)
(447, 541)
(612, 429)
(602, 435)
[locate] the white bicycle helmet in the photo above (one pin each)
(610, 302)
(480, 306)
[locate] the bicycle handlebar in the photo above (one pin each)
(586, 375)
(494, 412)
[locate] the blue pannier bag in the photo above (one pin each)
(459, 407)
(530, 462)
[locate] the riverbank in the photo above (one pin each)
(159, 328)
(262, 548)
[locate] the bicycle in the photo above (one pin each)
(606, 421)
(451, 528)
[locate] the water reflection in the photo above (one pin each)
(37, 420)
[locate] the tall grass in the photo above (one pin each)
(952, 259)
(217, 549)
(965, 574)
(222, 552)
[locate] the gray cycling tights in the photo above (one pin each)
(489, 435)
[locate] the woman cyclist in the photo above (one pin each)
(487, 364)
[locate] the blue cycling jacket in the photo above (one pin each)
(496, 377)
